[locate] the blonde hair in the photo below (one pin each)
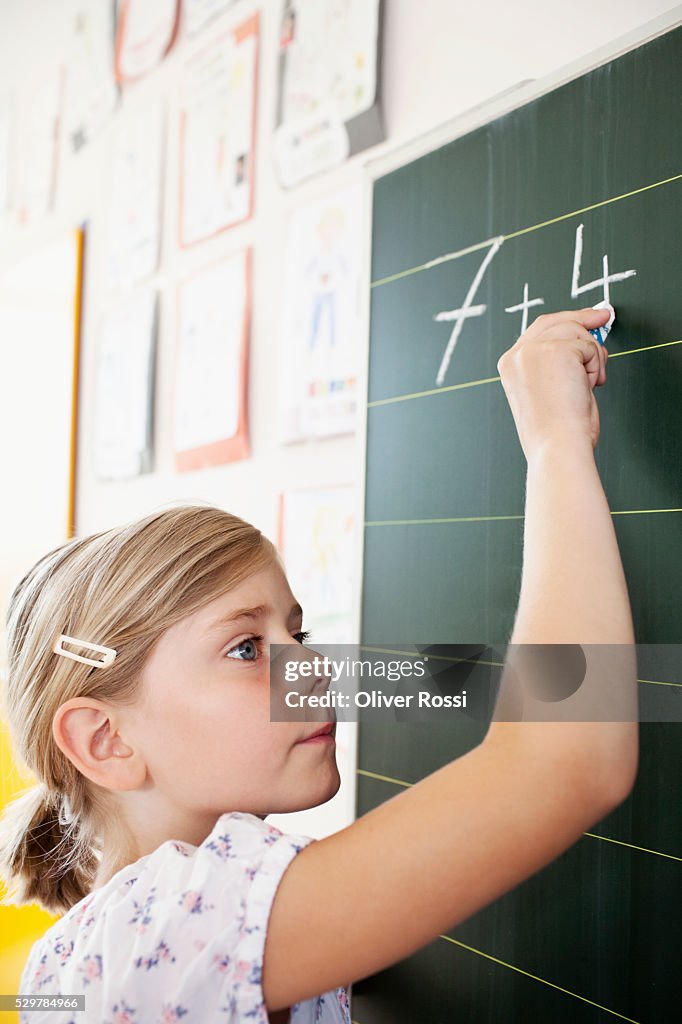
(121, 588)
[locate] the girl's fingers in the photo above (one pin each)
(594, 354)
(579, 337)
(587, 318)
(559, 331)
(603, 356)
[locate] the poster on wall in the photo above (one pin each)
(6, 153)
(316, 539)
(321, 318)
(135, 210)
(41, 131)
(217, 132)
(198, 13)
(91, 89)
(211, 367)
(329, 76)
(124, 410)
(145, 32)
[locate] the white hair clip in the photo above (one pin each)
(108, 652)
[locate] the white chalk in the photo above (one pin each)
(601, 333)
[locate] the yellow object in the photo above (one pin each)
(19, 926)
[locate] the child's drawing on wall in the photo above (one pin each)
(325, 272)
(317, 539)
(321, 318)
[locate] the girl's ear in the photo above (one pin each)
(86, 733)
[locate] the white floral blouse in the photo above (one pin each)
(176, 936)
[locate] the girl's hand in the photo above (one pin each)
(549, 376)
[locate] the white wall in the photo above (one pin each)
(441, 57)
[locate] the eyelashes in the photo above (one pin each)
(257, 640)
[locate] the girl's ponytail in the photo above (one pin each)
(46, 854)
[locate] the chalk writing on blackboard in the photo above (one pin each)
(523, 307)
(600, 282)
(467, 310)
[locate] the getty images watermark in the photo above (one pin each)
(483, 682)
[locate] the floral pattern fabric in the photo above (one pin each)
(178, 935)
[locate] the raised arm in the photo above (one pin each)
(374, 893)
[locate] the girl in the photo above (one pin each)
(157, 763)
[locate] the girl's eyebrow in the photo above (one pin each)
(249, 613)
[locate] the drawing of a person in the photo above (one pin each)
(326, 270)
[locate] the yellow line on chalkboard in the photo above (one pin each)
(487, 519)
(645, 348)
(535, 977)
(643, 511)
(491, 380)
(434, 263)
(382, 778)
(591, 835)
(435, 657)
(644, 849)
(416, 522)
(433, 391)
(657, 682)
(543, 981)
(522, 231)
(593, 206)
(477, 661)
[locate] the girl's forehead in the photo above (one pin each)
(264, 585)
(266, 591)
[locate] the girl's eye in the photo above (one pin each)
(255, 644)
(252, 643)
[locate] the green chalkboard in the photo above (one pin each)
(595, 936)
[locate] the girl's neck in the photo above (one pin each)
(124, 846)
